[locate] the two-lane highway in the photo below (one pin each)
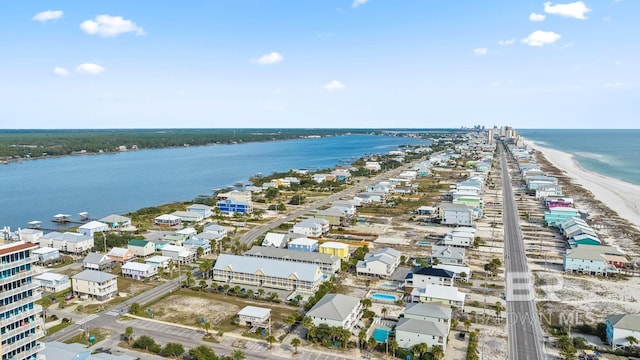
(525, 332)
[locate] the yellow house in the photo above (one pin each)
(335, 248)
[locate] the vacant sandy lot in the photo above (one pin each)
(180, 309)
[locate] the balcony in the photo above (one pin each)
(19, 276)
(21, 289)
(12, 264)
(16, 345)
(37, 309)
(34, 350)
(38, 323)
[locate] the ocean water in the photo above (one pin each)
(612, 153)
(123, 182)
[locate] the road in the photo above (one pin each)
(525, 332)
(249, 237)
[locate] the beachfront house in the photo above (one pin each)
(381, 264)
(139, 271)
(329, 264)
(269, 273)
(428, 276)
(194, 244)
(447, 255)
(455, 214)
(312, 227)
(179, 254)
(274, 240)
(120, 255)
(167, 220)
(68, 242)
(461, 236)
(96, 261)
(410, 332)
(594, 259)
(116, 221)
(98, 285)
(141, 248)
(218, 231)
(620, 328)
(159, 261)
(254, 316)
(231, 206)
(201, 209)
(461, 273)
(448, 295)
(436, 312)
(336, 310)
(303, 244)
(557, 215)
(46, 255)
(335, 248)
(93, 227)
(32, 236)
(53, 282)
(188, 216)
(336, 216)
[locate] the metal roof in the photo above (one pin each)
(269, 267)
(334, 307)
(93, 275)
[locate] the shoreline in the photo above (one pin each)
(620, 196)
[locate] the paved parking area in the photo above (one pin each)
(167, 329)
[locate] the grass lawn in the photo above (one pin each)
(54, 329)
(83, 338)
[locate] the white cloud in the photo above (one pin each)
(536, 17)
(508, 42)
(270, 58)
(618, 63)
(574, 10)
(48, 15)
(481, 51)
(90, 68)
(334, 85)
(614, 85)
(60, 71)
(541, 38)
(357, 3)
(110, 26)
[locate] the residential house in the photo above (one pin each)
(462, 273)
(95, 261)
(313, 227)
(54, 350)
(188, 216)
(544, 191)
(32, 236)
(95, 284)
(371, 197)
(336, 310)
(269, 273)
(194, 244)
(186, 233)
(139, 271)
(335, 216)
(335, 248)
(201, 209)
(594, 259)
(557, 215)
(329, 264)
(46, 255)
(254, 316)
(232, 206)
(447, 255)
(53, 282)
(68, 242)
(372, 166)
(93, 227)
(274, 240)
(456, 214)
(116, 221)
(429, 276)
(426, 210)
(167, 220)
(622, 327)
(179, 254)
(448, 295)
(379, 188)
(410, 332)
(120, 255)
(141, 248)
(460, 236)
(159, 261)
(218, 231)
(303, 244)
(381, 263)
(436, 312)
(320, 178)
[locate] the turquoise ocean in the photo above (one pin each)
(612, 153)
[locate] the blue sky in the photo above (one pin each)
(323, 63)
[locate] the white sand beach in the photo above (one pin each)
(621, 197)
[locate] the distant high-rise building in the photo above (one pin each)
(21, 324)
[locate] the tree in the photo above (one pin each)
(362, 335)
(467, 324)
(203, 352)
(632, 341)
(271, 339)
(203, 284)
(393, 346)
(366, 302)
(144, 342)
(172, 349)
(419, 349)
(260, 292)
(437, 352)
(454, 323)
(238, 355)
(290, 320)
(134, 308)
(206, 326)
(307, 324)
(295, 343)
(172, 266)
(190, 280)
(226, 288)
(205, 267)
(46, 302)
(200, 251)
(384, 311)
(372, 342)
(499, 308)
(128, 333)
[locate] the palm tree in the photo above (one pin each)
(366, 302)
(295, 343)
(372, 343)
(128, 333)
(307, 324)
(190, 280)
(419, 349)
(238, 355)
(467, 324)
(271, 339)
(160, 271)
(200, 251)
(437, 352)
(203, 284)
(362, 335)
(632, 340)
(290, 320)
(226, 288)
(393, 346)
(384, 312)
(206, 326)
(454, 323)
(499, 308)
(204, 267)
(172, 266)
(261, 292)
(250, 293)
(45, 303)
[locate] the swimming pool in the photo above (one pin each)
(423, 243)
(383, 297)
(381, 334)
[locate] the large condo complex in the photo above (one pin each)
(20, 322)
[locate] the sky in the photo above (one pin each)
(319, 63)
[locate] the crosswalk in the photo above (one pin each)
(87, 319)
(112, 313)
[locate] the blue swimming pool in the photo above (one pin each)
(381, 334)
(383, 297)
(423, 243)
